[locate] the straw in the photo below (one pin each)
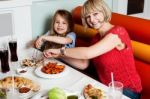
(112, 80)
(13, 84)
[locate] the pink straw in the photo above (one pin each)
(112, 80)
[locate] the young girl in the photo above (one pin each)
(61, 34)
(110, 51)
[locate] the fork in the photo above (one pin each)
(34, 55)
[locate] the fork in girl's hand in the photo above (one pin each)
(34, 54)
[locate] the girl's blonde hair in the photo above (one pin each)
(95, 5)
(67, 16)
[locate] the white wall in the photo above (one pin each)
(43, 10)
(120, 6)
(146, 13)
(21, 22)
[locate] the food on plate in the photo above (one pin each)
(91, 92)
(31, 62)
(6, 83)
(24, 90)
(56, 93)
(52, 68)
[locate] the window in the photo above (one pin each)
(6, 24)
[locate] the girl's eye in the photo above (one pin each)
(57, 22)
(64, 23)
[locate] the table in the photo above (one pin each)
(73, 80)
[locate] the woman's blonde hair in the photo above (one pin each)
(95, 5)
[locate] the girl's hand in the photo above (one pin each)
(39, 42)
(52, 53)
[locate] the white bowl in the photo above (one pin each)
(21, 71)
(26, 93)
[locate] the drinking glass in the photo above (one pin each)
(13, 49)
(115, 90)
(4, 60)
(12, 94)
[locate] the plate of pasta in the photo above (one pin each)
(52, 70)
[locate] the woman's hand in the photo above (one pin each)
(52, 53)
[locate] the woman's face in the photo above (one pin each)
(60, 25)
(95, 19)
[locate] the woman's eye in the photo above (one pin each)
(95, 14)
(87, 17)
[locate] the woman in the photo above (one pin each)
(110, 51)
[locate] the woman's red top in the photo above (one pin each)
(120, 62)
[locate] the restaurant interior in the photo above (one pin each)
(25, 20)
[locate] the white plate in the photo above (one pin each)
(39, 73)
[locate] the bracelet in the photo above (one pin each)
(62, 51)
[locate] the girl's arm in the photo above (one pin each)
(108, 43)
(57, 39)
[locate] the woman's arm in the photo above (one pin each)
(108, 43)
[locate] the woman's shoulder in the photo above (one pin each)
(118, 28)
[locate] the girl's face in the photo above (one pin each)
(60, 25)
(95, 19)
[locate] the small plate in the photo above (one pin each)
(21, 71)
(39, 73)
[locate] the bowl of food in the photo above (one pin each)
(24, 91)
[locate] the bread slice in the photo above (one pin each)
(6, 83)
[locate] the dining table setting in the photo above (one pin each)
(33, 76)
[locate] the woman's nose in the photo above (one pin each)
(92, 19)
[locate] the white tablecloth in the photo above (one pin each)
(73, 80)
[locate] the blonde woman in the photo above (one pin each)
(110, 51)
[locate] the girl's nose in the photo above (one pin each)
(59, 24)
